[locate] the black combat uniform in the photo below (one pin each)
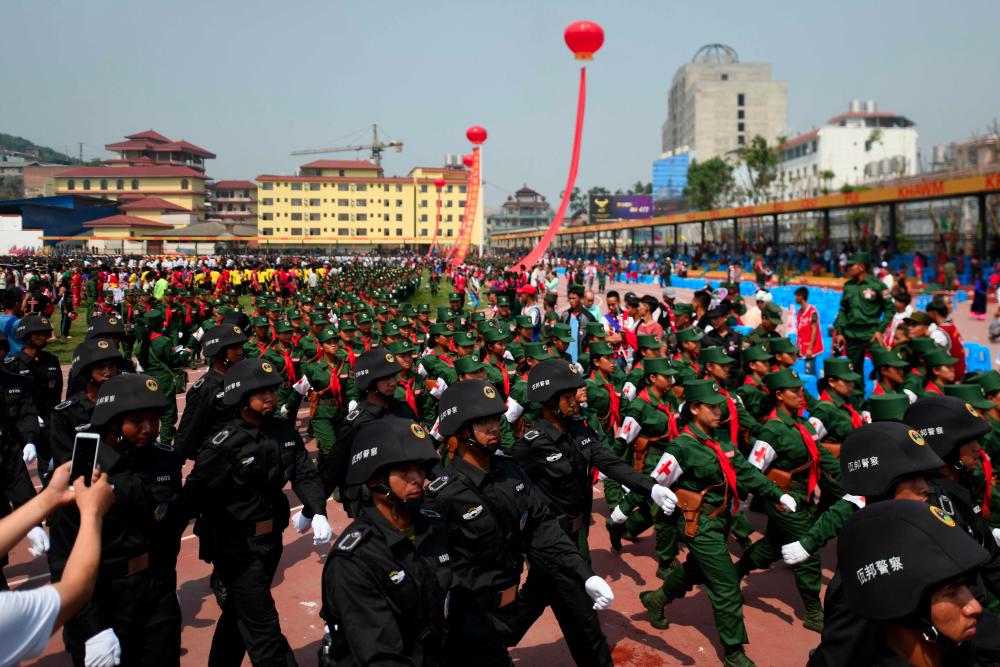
(45, 374)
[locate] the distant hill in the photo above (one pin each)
(45, 154)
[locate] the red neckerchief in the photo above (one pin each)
(411, 398)
(350, 356)
(857, 421)
(445, 358)
(988, 474)
(154, 336)
(201, 310)
(295, 339)
(367, 342)
(672, 429)
(615, 412)
(693, 364)
(878, 391)
(932, 389)
(128, 314)
(810, 444)
(187, 316)
(334, 386)
(166, 317)
(728, 471)
(670, 316)
(734, 418)
(753, 383)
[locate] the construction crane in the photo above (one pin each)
(376, 147)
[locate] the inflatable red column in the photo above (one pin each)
(439, 184)
(460, 249)
(583, 38)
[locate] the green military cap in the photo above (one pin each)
(391, 329)
(647, 341)
(439, 329)
(536, 350)
(562, 332)
(783, 379)
(600, 348)
(282, 326)
(576, 289)
(478, 316)
(454, 296)
(550, 298)
(516, 350)
(223, 310)
(922, 345)
(755, 353)
(492, 335)
(170, 291)
(470, 363)
(971, 394)
(683, 309)
(381, 310)
(989, 381)
(153, 317)
(348, 325)
(596, 330)
(691, 334)
(703, 391)
(859, 258)
(840, 368)
(261, 321)
(408, 310)
(503, 301)
(888, 407)
(318, 318)
(393, 302)
(715, 355)
(684, 374)
(424, 308)
(523, 322)
(329, 333)
(363, 317)
(919, 317)
(402, 322)
(403, 346)
(939, 357)
(464, 339)
(443, 312)
(884, 357)
(771, 312)
(658, 365)
(274, 307)
(294, 314)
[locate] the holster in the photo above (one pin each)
(833, 448)
(783, 478)
(639, 449)
(691, 503)
(429, 384)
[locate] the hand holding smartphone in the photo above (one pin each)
(85, 448)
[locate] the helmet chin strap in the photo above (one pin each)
(408, 505)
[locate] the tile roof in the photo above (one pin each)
(153, 204)
(125, 221)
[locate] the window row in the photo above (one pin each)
(353, 187)
(119, 184)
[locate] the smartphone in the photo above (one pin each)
(85, 447)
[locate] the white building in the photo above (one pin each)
(717, 104)
(861, 146)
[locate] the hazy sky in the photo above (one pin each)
(253, 80)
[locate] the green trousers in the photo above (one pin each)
(856, 348)
(782, 528)
(168, 417)
(709, 564)
(664, 527)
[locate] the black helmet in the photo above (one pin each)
(946, 423)
(878, 456)
(236, 318)
(109, 325)
(221, 336)
(551, 377)
(247, 376)
(90, 352)
(127, 393)
(892, 554)
(32, 324)
(373, 365)
(467, 400)
(386, 442)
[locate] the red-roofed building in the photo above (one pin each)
(148, 165)
(234, 201)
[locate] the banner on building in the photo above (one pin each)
(623, 207)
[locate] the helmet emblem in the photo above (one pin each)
(152, 385)
(490, 392)
(237, 330)
(972, 410)
(103, 344)
(942, 516)
(418, 430)
(390, 358)
(266, 367)
(916, 437)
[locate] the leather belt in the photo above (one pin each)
(262, 528)
(496, 600)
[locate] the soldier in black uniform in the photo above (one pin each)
(19, 397)
(43, 370)
(110, 327)
(557, 452)
(730, 341)
(907, 566)
(134, 614)
(204, 412)
(495, 518)
(385, 580)
(237, 486)
(375, 377)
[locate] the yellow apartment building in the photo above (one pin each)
(352, 204)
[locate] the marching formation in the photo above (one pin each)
(466, 443)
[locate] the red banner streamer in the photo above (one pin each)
(461, 247)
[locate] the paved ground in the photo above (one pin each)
(773, 610)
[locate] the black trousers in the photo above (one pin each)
(249, 621)
(144, 615)
(477, 636)
(573, 609)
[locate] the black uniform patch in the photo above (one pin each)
(64, 404)
(352, 538)
(197, 384)
(438, 484)
(532, 434)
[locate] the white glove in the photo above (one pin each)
(302, 387)
(787, 502)
(178, 348)
(197, 335)
(351, 406)
(599, 592)
(41, 422)
(322, 533)
(617, 516)
(283, 412)
(439, 388)
(422, 371)
(39, 540)
(628, 391)
(103, 650)
(579, 368)
(793, 553)
(820, 428)
(29, 454)
(996, 535)
(664, 498)
(508, 356)
(299, 522)
(138, 366)
(514, 410)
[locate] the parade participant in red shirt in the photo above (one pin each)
(807, 328)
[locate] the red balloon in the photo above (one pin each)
(467, 160)
(584, 39)
(476, 134)
(439, 183)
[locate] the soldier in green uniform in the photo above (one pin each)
(834, 408)
(647, 347)
(161, 358)
(788, 452)
(560, 338)
(989, 384)
(689, 349)
(708, 477)
(785, 354)
(499, 369)
(90, 292)
(131, 316)
(604, 385)
(439, 363)
(309, 344)
(505, 319)
(865, 312)
(261, 338)
(889, 372)
(757, 363)
(770, 320)
(410, 388)
(329, 379)
(281, 355)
